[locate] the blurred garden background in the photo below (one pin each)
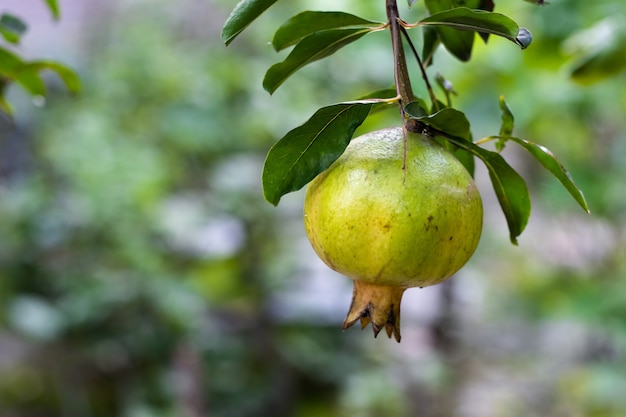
(142, 274)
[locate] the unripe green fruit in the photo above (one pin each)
(391, 220)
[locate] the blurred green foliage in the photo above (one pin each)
(143, 274)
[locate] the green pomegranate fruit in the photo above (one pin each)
(391, 220)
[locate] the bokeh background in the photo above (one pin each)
(142, 274)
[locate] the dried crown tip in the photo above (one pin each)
(376, 304)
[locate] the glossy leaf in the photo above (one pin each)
(547, 159)
(430, 44)
(53, 6)
(462, 18)
(487, 5)
(309, 149)
(11, 28)
(416, 109)
(448, 120)
(466, 158)
(458, 43)
(244, 13)
(312, 48)
(307, 23)
(509, 186)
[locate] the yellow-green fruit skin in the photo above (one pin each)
(375, 222)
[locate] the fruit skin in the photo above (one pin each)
(388, 227)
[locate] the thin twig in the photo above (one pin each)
(429, 87)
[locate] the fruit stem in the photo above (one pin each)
(401, 71)
(376, 304)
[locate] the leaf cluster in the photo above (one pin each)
(27, 74)
(309, 149)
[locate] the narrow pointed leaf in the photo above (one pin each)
(509, 186)
(66, 74)
(448, 120)
(312, 48)
(11, 28)
(4, 105)
(486, 5)
(458, 43)
(506, 127)
(244, 13)
(53, 6)
(547, 159)
(430, 44)
(489, 6)
(307, 23)
(29, 79)
(462, 18)
(466, 158)
(309, 149)
(9, 63)
(28, 76)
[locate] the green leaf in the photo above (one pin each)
(509, 186)
(599, 51)
(9, 63)
(4, 105)
(456, 42)
(508, 122)
(448, 121)
(307, 23)
(462, 18)
(67, 75)
(383, 95)
(53, 6)
(466, 158)
(11, 28)
(309, 149)
(485, 5)
(547, 159)
(28, 77)
(430, 44)
(244, 13)
(312, 48)
(417, 109)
